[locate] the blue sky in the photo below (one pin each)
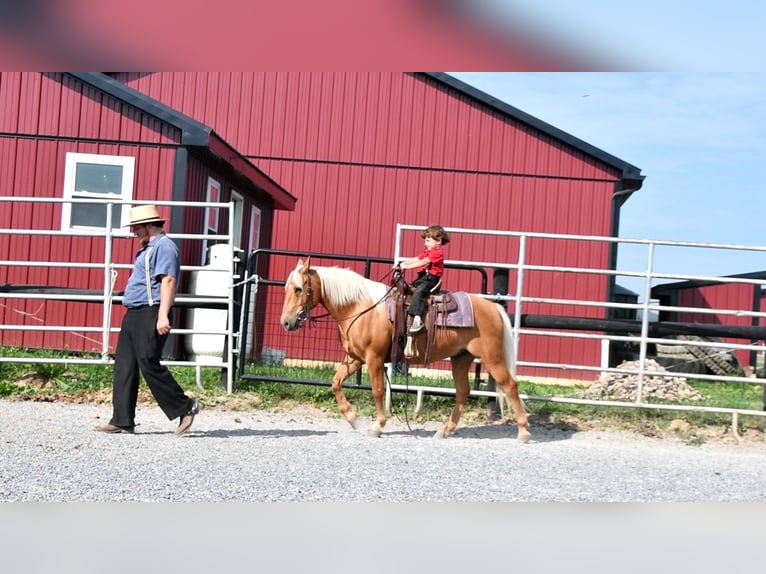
(676, 35)
(698, 138)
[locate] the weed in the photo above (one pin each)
(49, 371)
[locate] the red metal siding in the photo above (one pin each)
(73, 118)
(373, 118)
(60, 106)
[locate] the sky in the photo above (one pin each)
(662, 35)
(699, 140)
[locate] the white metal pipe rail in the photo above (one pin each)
(647, 307)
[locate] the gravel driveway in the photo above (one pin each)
(49, 452)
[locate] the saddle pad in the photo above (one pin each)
(463, 317)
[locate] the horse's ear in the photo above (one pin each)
(308, 262)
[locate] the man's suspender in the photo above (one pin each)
(149, 296)
(148, 276)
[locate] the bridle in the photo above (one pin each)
(305, 313)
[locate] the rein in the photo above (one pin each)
(309, 297)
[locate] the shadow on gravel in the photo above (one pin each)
(491, 432)
(260, 433)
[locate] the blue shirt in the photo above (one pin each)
(163, 260)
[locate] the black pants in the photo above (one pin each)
(139, 348)
(423, 285)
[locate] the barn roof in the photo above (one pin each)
(664, 288)
(631, 175)
(193, 134)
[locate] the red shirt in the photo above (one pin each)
(435, 258)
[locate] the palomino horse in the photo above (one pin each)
(365, 330)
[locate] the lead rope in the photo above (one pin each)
(309, 319)
(406, 395)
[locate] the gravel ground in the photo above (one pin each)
(49, 452)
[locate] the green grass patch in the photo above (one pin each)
(34, 379)
(733, 395)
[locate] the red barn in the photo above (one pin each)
(362, 152)
(365, 151)
(86, 136)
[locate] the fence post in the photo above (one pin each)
(499, 288)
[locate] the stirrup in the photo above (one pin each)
(411, 350)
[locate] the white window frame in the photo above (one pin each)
(212, 214)
(128, 164)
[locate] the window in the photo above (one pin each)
(101, 178)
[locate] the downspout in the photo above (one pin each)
(618, 200)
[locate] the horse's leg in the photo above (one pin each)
(375, 368)
(505, 381)
(347, 368)
(460, 366)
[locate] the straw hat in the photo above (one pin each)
(144, 214)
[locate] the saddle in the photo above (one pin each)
(440, 303)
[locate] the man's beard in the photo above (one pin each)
(144, 240)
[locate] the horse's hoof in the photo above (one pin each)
(524, 437)
(374, 432)
(353, 421)
(440, 434)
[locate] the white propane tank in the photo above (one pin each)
(212, 281)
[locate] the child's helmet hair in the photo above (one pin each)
(436, 232)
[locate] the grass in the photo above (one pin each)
(83, 382)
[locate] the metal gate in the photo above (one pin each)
(622, 324)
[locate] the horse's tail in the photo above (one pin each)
(508, 358)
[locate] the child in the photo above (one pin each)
(430, 266)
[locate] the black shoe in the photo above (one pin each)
(115, 429)
(186, 420)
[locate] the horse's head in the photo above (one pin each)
(300, 296)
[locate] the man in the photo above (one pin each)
(149, 296)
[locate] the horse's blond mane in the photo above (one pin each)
(342, 287)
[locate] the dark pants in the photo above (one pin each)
(422, 285)
(139, 348)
